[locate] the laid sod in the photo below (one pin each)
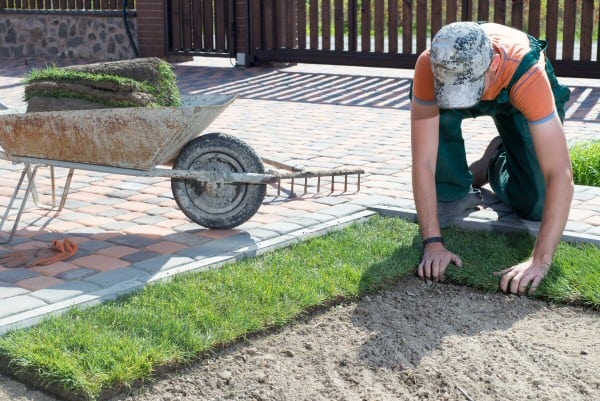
(92, 354)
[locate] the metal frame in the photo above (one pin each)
(213, 177)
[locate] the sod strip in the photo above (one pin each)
(94, 353)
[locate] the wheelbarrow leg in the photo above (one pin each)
(65, 192)
(30, 186)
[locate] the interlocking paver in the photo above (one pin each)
(357, 118)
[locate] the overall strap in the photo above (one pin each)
(530, 59)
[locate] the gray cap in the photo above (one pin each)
(461, 53)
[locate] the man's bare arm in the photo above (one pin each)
(425, 121)
(553, 154)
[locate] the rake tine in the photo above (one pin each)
(345, 182)
(332, 182)
(305, 184)
(318, 183)
(278, 187)
(358, 182)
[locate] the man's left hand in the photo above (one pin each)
(517, 279)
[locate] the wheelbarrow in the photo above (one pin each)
(217, 180)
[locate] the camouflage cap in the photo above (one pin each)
(461, 53)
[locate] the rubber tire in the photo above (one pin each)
(223, 206)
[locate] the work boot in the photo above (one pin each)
(449, 212)
(480, 167)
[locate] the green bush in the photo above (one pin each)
(585, 157)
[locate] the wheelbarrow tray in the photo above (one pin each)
(134, 137)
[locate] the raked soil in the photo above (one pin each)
(417, 341)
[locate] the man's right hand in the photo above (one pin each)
(435, 261)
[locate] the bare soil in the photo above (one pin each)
(417, 341)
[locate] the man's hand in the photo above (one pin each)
(435, 261)
(517, 279)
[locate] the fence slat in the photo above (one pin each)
(268, 16)
(421, 25)
(587, 30)
(291, 23)
(483, 10)
(352, 25)
(279, 22)
(301, 15)
(256, 25)
(208, 24)
(175, 22)
(568, 30)
(197, 27)
(407, 18)
(365, 29)
(451, 11)
(500, 11)
(551, 29)
(379, 25)
(436, 16)
(516, 14)
(187, 21)
(220, 25)
(326, 24)
(393, 22)
(534, 20)
(338, 16)
(314, 24)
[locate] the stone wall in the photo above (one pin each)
(101, 37)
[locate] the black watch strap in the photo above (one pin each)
(432, 240)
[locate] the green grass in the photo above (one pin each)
(93, 353)
(585, 157)
(166, 92)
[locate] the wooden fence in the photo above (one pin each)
(392, 33)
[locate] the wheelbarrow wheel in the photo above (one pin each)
(218, 205)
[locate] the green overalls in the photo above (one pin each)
(514, 174)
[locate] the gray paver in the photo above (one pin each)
(20, 303)
(112, 277)
(160, 263)
(64, 291)
(17, 274)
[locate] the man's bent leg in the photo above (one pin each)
(452, 176)
(515, 174)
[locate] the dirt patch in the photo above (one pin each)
(418, 341)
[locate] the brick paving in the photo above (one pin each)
(130, 231)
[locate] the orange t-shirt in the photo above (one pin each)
(531, 94)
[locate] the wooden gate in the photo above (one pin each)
(200, 27)
(392, 33)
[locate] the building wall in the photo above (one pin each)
(55, 36)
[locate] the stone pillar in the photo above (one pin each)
(151, 19)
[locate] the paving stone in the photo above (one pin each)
(94, 245)
(282, 227)
(8, 290)
(162, 263)
(342, 210)
(14, 275)
(134, 241)
(18, 304)
(76, 274)
(140, 256)
(578, 227)
(113, 277)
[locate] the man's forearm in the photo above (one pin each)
(559, 193)
(426, 203)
